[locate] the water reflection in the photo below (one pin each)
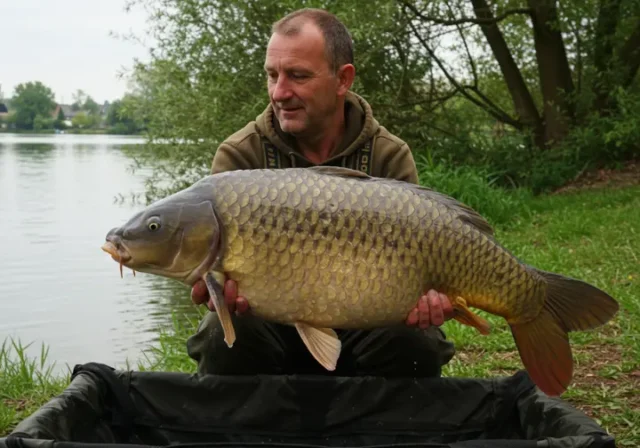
(57, 201)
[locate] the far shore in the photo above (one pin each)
(68, 131)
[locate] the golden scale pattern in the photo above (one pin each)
(338, 252)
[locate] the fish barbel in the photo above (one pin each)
(325, 247)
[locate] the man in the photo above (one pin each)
(313, 119)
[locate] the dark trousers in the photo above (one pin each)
(263, 347)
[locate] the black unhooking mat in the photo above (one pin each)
(107, 408)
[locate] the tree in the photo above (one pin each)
(32, 99)
(511, 85)
(91, 106)
(556, 64)
(83, 120)
(206, 78)
(84, 102)
(79, 99)
(122, 115)
(42, 122)
(59, 123)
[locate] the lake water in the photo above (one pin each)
(57, 201)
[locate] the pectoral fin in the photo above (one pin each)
(323, 343)
(216, 292)
(464, 315)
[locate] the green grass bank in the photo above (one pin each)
(591, 235)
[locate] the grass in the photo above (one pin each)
(591, 235)
(25, 384)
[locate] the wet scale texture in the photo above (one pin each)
(345, 252)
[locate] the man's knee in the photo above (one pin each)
(208, 336)
(404, 351)
(257, 348)
(430, 349)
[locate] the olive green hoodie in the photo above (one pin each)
(390, 157)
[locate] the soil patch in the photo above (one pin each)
(601, 375)
(626, 176)
(603, 386)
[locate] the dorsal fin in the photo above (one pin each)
(465, 212)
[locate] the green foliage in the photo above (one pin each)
(32, 101)
(476, 188)
(169, 354)
(84, 102)
(438, 86)
(599, 141)
(59, 123)
(33, 109)
(610, 138)
(25, 383)
(85, 120)
(122, 118)
(42, 122)
(207, 80)
(513, 161)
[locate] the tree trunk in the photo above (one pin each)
(522, 100)
(554, 71)
(608, 17)
(630, 57)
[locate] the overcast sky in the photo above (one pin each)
(66, 44)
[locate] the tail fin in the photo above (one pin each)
(543, 343)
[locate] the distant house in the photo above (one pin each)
(68, 112)
(4, 112)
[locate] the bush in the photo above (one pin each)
(511, 160)
(475, 187)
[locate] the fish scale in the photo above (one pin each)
(343, 212)
(324, 247)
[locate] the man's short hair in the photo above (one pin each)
(338, 43)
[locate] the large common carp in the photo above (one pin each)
(322, 248)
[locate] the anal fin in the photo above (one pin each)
(323, 344)
(464, 315)
(217, 297)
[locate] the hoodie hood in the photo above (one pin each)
(360, 126)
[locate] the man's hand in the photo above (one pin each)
(200, 295)
(433, 308)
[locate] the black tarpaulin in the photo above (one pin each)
(107, 408)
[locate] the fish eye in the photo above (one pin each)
(153, 224)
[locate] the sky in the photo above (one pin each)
(66, 44)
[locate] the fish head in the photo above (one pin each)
(176, 237)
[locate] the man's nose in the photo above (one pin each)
(281, 89)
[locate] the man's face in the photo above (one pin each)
(302, 88)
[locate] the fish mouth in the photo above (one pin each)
(119, 253)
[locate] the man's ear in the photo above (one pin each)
(345, 75)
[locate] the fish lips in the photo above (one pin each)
(114, 247)
(119, 255)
